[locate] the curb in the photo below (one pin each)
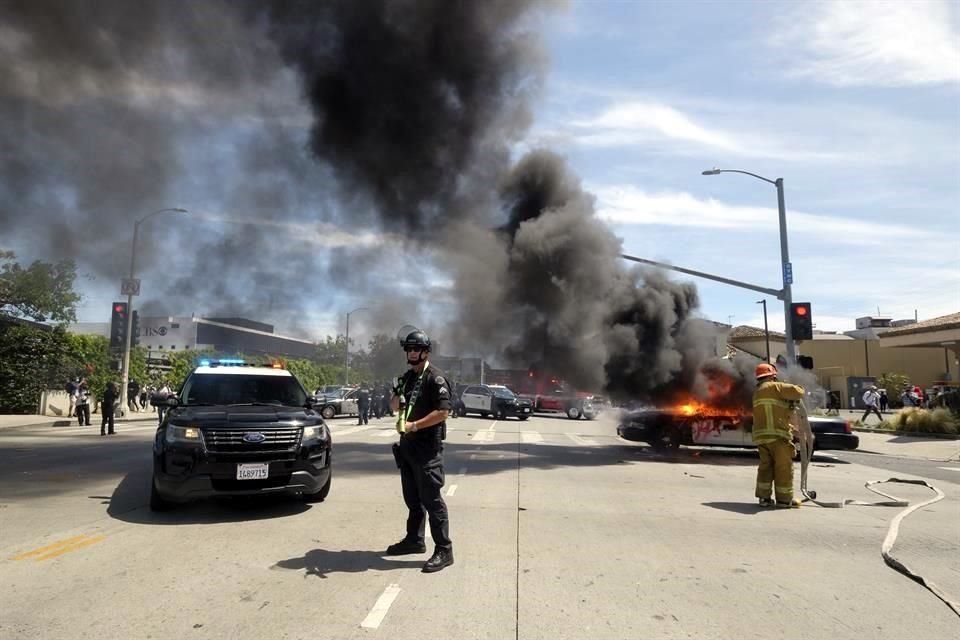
(72, 423)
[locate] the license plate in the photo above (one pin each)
(253, 471)
(526, 410)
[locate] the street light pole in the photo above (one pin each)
(786, 269)
(125, 370)
(346, 358)
(766, 329)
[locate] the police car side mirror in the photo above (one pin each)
(172, 401)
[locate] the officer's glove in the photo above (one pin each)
(397, 388)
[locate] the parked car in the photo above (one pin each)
(494, 400)
(237, 429)
(668, 429)
(342, 403)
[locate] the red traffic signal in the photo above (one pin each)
(119, 308)
(801, 321)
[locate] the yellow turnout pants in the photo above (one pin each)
(775, 470)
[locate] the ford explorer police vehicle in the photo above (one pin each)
(237, 429)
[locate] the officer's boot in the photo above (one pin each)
(406, 547)
(441, 558)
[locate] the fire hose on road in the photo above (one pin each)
(805, 437)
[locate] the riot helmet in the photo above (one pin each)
(416, 341)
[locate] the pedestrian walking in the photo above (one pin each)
(83, 404)
(108, 408)
(71, 389)
(133, 392)
(144, 394)
(871, 400)
(421, 398)
(884, 400)
(774, 404)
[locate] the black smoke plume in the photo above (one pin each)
(290, 129)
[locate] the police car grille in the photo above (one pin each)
(231, 440)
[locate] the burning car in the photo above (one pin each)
(699, 425)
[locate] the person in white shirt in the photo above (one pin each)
(871, 398)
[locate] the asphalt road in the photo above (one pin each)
(560, 531)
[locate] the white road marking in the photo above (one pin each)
(381, 606)
(484, 436)
(493, 426)
(949, 468)
(531, 437)
(356, 429)
(451, 490)
(583, 442)
(386, 433)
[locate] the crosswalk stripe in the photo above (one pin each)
(583, 442)
(531, 437)
(484, 436)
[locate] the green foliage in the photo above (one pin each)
(42, 291)
(894, 383)
(31, 360)
(916, 420)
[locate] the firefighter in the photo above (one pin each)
(421, 399)
(773, 406)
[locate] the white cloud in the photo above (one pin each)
(631, 206)
(887, 44)
(632, 122)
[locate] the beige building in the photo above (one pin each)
(926, 352)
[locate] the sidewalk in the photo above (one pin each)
(908, 446)
(11, 421)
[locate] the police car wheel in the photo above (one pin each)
(328, 412)
(157, 501)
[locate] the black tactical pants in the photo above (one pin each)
(421, 477)
(107, 418)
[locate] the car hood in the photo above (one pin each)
(222, 416)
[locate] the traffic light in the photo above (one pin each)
(118, 325)
(135, 330)
(801, 321)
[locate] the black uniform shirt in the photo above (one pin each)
(434, 394)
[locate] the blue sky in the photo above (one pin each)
(856, 105)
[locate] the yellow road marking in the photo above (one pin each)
(59, 548)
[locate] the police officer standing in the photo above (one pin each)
(363, 404)
(421, 399)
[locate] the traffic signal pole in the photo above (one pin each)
(787, 274)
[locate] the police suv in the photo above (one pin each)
(494, 400)
(238, 429)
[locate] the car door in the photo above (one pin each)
(349, 404)
(486, 399)
(471, 399)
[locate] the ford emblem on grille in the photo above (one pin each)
(253, 437)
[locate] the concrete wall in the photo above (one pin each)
(843, 358)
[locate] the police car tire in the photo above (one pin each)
(328, 412)
(157, 501)
(321, 495)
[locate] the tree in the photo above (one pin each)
(31, 361)
(331, 351)
(43, 291)
(894, 384)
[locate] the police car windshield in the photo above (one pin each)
(225, 389)
(503, 392)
